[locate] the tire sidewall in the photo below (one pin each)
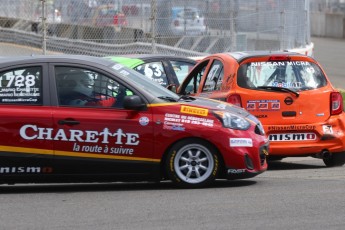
(170, 166)
(336, 160)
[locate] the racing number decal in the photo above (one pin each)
(19, 81)
(152, 70)
(19, 88)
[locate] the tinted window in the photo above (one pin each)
(181, 69)
(143, 82)
(21, 86)
(214, 77)
(295, 75)
(85, 88)
(194, 82)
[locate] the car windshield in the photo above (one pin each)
(145, 83)
(293, 75)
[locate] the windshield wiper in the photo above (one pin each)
(166, 98)
(279, 89)
(186, 97)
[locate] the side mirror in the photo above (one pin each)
(133, 102)
(172, 87)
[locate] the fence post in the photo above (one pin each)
(282, 28)
(153, 25)
(232, 27)
(44, 28)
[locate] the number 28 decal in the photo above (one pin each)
(18, 81)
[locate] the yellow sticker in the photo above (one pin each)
(194, 110)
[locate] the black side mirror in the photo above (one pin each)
(172, 87)
(133, 102)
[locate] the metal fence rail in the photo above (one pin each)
(73, 46)
(194, 27)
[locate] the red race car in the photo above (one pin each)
(88, 119)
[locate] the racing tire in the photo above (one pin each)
(335, 160)
(192, 163)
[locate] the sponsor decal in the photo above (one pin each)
(327, 129)
(174, 127)
(275, 105)
(241, 142)
(290, 127)
(236, 171)
(80, 137)
(194, 110)
(292, 137)
(251, 106)
(27, 169)
(172, 119)
(261, 116)
(119, 67)
(287, 84)
(281, 63)
(144, 121)
(263, 105)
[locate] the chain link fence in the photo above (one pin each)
(190, 28)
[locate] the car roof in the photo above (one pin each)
(132, 60)
(149, 56)
(241, 56)
(54, 58)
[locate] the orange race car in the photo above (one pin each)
(301, 111)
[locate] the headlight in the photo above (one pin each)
(260, 128)
(232, 121)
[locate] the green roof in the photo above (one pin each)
(126, 61)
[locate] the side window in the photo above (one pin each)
(194, 82)
(85, 88)
(214, 77)
(155, 71)
(181, 69)
(21, 86)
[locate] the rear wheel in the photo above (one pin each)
(334, 160)
(192, 163)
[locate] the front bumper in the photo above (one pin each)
(253, 165)
(234, 174)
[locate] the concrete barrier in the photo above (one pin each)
(331, 25)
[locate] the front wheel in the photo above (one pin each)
(192, 163)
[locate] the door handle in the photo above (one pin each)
(68, 122)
